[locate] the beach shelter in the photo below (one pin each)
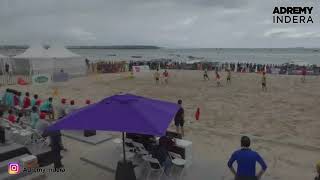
(67, 61)
(33, 61)
(122, 113)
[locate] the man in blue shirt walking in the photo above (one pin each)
(246, 161)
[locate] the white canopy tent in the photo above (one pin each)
(3, 61)
(67, 61)
(33, 61)
(2, 56)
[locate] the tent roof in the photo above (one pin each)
(2, 56)
(33, 52)
(60, 52)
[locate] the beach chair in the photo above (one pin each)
(140, 148)
(17, 109)
(17, 131)
(154, 166)
(140, 151)
(118, 143)
(36, 137)
(178, 162)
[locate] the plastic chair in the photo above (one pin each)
(177, 161)
(154, 166)
(140, 148)
(37, 136)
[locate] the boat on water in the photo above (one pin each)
(193, 57)
(136, 56)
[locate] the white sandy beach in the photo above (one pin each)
(283, 122)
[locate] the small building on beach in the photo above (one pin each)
(70, 62)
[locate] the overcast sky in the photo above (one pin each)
(166, 23)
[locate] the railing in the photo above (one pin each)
(13, 79)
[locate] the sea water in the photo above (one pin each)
(267, 56)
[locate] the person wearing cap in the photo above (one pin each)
(246, 160)
(62, 108)
(72, 107)
(318, 171)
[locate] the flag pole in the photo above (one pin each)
(123, 148)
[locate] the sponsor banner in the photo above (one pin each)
(60, 77)
(299, 72)
(141, 69)
(275, 70)
(41, 79)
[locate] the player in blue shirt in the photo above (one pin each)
(246, 161)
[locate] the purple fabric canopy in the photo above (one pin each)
(122, 113)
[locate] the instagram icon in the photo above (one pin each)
(13, 168)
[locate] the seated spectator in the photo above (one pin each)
(20, 115)
(21, 120)
(34, 117)
(167, 141)
(47, 108)
(26, 101)
(246, 160)
(318, 171)
(11, 116)
(35, 101)
(162, 153)
(62, 108)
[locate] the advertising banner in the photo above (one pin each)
(140, 69)
(41, 79)
(60, 77)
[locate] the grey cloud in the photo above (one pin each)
(173, 23)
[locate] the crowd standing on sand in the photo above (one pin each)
(285, 68)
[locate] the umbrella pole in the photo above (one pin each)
(123, 148)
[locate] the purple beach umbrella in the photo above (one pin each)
(122, 113)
